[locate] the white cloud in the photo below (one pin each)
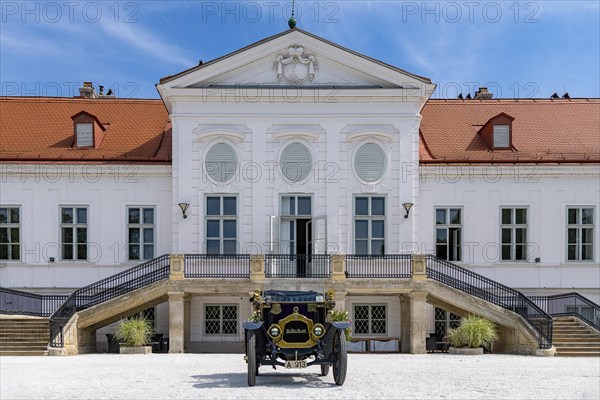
(29, 44)
(139, 38)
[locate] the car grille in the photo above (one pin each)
(296, 332)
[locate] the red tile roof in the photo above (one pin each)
(554, 131)
(41, 129)
(543, 130)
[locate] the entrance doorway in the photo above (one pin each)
(298, 238)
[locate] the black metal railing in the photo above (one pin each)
(297, 265)
(378, 266)
(217, 265)
(25, 303)
(106, 289)
(570, 305)
(486, 289)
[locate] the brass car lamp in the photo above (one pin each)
(318, 330)
(274, 332)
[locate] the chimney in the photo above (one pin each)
(483, 94)
(87, 91)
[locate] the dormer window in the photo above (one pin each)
(85, 134)
(497, 132)
(89, 131)
(501, 136)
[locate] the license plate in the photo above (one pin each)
(295, 364)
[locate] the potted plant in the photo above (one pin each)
(472, 335)
(134, 335)
(341, 316)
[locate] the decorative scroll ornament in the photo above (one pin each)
(295, 67)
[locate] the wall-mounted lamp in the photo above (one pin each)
(184, 207)
(407, 207)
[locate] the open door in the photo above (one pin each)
(274, 223)
(319, 235)
(317, 245)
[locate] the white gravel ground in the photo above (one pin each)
(370, 376)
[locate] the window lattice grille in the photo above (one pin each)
(370, 319)
(221, 320)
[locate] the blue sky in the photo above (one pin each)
(516, 48)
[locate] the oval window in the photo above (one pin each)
(296, 162)
(221, 162)
(369, 162)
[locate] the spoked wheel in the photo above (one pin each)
(251, 353)
(324, 369)
(340, 360)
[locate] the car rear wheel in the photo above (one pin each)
(324, 369)
(251, 353)
(340, 361)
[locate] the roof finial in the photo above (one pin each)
(292, 20)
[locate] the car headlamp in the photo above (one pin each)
(318, 330)
(274, 331)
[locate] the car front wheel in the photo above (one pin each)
(251, 353)
(340, 361)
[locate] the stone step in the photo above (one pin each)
(576, 344)
(23, 348)
(25, 331)
(570, 329)
(24, 327)
(579, 334)
(578, 354)
(38, 343)
(577, 347)
(24, 319)
(12, 331)
(28, 331)
(23, 353)
(575, 340)
(22, 339)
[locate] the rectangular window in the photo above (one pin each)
(74, 233)
(149, 314)
(448, 233)
(580, 234)
(221, 225)
(370, 319)
(85, 135)
(501, 136)
(369, 225)
(513, 232)
(10, 233)
(444, 321)
(221, 319)
(140, 233)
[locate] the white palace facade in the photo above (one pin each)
(295, 163)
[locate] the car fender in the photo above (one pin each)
(252, 326)
(341, 324)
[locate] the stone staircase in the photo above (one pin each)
(24, 336)
(572, 338)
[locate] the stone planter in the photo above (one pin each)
(136, 350)
(466, 351)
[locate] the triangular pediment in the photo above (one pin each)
(295, 58)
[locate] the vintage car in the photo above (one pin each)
(292, 329)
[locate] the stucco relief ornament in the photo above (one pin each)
(295, 67)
